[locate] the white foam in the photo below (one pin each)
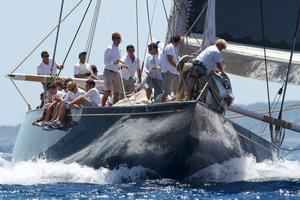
(247, 169)
(42, 172)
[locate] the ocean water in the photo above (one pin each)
(239, 178)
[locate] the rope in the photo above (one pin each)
(46, 37)
(266, 69)
(277, 128)
(57, 36)
(28, 105)
(75, 35)
(92, 30)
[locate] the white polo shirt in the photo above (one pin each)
(58, 94)
(209, 57)
(80, 68)
(94, 97)
(167, 67)
(44, 69)
(133, 67)
(111, 55)
(153, 66)
(71, 96)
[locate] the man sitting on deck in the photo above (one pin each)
(73, 93)
(82, 69)
(55, 97)
(91, 98)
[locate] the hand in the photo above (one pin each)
(94, 77)
(124, 65)
(60, 67)
(87, 74)
(117, 62)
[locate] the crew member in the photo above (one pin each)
(47, 66)
(128, 74)
(171, 78)
(111, 76)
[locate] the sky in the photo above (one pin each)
(26, 23)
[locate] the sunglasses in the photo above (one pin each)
(45, 56)
(117, 38)
(130, 50)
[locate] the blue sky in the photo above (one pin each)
(25, 23)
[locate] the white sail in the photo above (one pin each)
(209, 34)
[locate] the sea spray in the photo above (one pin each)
(247, 169)
(43, 172)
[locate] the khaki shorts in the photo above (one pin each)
(112, 81)
(129, 85)
(170, 82)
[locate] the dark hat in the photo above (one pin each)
(49, 86)
(129, 47)
(82, 53)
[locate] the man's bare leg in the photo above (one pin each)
(148, 93)
(56, 111)
(49, 111)
(115, 97)
(105, 97)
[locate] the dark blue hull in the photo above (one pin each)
(173, 139)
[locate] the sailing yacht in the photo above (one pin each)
(174, 139)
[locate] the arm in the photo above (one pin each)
(220, 68)
(139, 73)
(82, 75)
(171, 61)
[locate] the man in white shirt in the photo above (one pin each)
(73, 93)
(47, 65)
(111, 76)
(153, 72)
(91, 98)
(208, 61)
(82, 69)
(211, 56)
(171, 78)
(55, 97)
(128, 74)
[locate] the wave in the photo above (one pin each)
(43, 172)
(234, 170)
(247, 169)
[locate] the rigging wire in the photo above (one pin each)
(28, 105)
(81, 22)
(57, 36)
(152, 19)
(137, 27)
(273, 107)
(93, 30)
(46, 37)
(266, 70)
(167, 18)
(279, 134)
(148, 19)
